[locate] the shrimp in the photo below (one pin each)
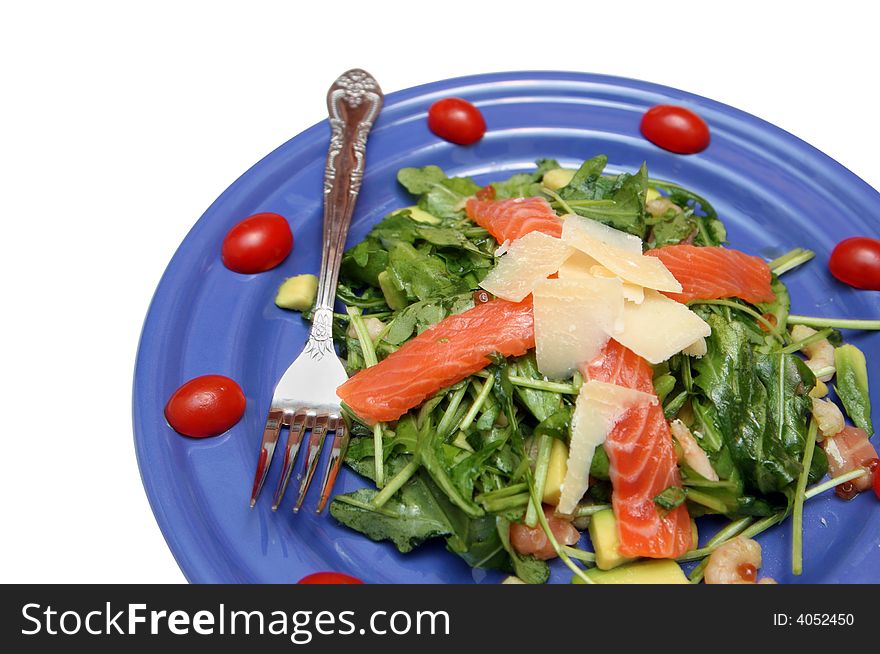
(735, 562)
(819, 354)
(848, 451)
(694, 455)
(374, 328)
(533, 540)
(828, 417)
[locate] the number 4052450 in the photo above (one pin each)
(815, 619)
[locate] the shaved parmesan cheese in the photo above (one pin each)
(611, 237)
(580, 265)
(631, 292)
(598, 408)
(577, 266)
(659, 327)
(529, 261)
(573, 320)
(610, 249)
(502, 249)
(696, 349)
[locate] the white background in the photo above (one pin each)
(121, 122)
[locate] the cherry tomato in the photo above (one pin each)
(877, 481)
(456, 120)
(856, 261)
(675, 129)
(205, 406)
(329, 578)
(257, 244)
(874, 466)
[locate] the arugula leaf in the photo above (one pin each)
(420, 180)
(477, 542)
(670, 498)
(542, 404)
(360, 452)
(710, 230)
(465, 472)
(406, 523)
(422, 508)
(419, 511)
(364, 262)
(421, 275)
(618, 202)
(524, 185)
(556, 425)
(370, 299)
(436, 459)
(788, 381)
(599, 468)
(726, 497)
(408, 519)
(521, 185)
(628, 194)
(398, 226)
(586, 181)
(441, 196)
(759, 430)
(420, 315)
(672, 230)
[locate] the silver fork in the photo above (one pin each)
(305, 396)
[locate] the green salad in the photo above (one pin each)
(474, 463)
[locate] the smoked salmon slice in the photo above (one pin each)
(709, 273)
(642, 463)
(508, 220)
(440, 356)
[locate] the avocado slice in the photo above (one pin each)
(556, 470)
(422, 216)
(650, 571)
(297, 293)
(394, 297)
(557, 178)
(606, 542)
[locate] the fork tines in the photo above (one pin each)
(300, 422)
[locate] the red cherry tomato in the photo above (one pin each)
(675, 129)
(257, 244)
(329, 578)
(856, 261)
(874, 466)
(205, 406)
(877, 481)
(456, 120)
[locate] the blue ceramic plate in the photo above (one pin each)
(773, 191)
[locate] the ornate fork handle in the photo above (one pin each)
(353, 102)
